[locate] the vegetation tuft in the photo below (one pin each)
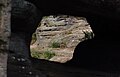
(55, 45)
(88, 35)
(42, 55)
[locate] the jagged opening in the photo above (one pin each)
(56, 37)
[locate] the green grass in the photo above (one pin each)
(44, 55)
(35, 54)
(55, 45)
(48, 55)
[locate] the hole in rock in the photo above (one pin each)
(57, 36)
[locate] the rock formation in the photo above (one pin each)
(60, 34)
(100, 53)
(5, 7)
(103, 17)
(24, 20)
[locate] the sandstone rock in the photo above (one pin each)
(64, 36)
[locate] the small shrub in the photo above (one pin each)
(36, 55)
(88, 35)
(68, 32)
(48, 55)
(55, 45)
(63, 45)
(42, 55)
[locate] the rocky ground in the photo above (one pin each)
(60, 34)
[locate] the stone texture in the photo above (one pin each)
(23, 23)
(64, 30)
(3, 64)
(5, 22)
(51, 30)
(100, 53)
(5, 9)
(24, 20)
(103, 17)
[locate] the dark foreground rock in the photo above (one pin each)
(43, 68)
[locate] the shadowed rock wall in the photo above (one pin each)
(101, 53)
(103, 17)
(24, 21)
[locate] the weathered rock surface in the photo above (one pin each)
(5, 8)
(64, 30)
(100, 53)
(24, 20)
(72, 30)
